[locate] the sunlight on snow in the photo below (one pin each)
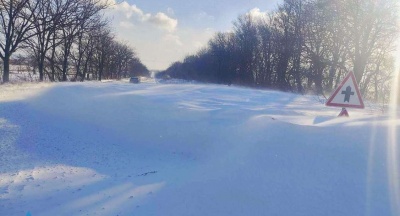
(17, 92)
(110, 199)
(43, 181)
(370, 173)
(269, 123)
(48, 182)
(393, 148)
(132, 192)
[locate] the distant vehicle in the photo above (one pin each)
(134, 80)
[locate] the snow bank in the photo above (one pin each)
(116, 148)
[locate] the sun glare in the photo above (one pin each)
(393, 146)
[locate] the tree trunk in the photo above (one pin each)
(65, 63)
(40, 72)
(100, 72)
(64, 69)
(297, 75)
(359, 67)
(332, 72)
(282, 67)
(84, 71)
(318, 77)
(318, 80)
(6, 72)
(52, 63)
(41, 68)
(338, 77)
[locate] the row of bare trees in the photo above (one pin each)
(303, 45)
(64, 40)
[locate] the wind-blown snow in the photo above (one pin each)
(114, 148)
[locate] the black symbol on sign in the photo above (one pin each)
(347, 94)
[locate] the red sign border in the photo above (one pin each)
(353, 78)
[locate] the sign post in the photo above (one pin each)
(346, 94)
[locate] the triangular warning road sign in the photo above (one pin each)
(343, 113)
(347, 94)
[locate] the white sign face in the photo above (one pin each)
(347, 94)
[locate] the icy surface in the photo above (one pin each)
(115, 148)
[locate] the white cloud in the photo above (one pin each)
(163, 21)
(171, 38)
(258, 14)
(125, 24)
(135, 14)
(156, 37)
(128, 10)
(108, 2)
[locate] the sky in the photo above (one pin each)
(165, 31)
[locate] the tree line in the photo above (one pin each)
(303, 45)
(64, 40)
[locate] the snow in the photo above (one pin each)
(115, 148)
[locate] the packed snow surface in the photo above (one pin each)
(115, 148)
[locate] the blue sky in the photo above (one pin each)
(165, 31)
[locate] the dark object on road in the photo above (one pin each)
(134, 80)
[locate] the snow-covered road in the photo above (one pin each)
(115, 148)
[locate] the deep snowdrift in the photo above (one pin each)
(190, 149)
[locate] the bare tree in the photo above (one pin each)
(222, 49)
(368, 22)
(80, 16)
(316, 44)
(312, 42)
(247, 45)
(50, 18)
(103, 46)
(286, 24)
(15, 28)
(85, 45)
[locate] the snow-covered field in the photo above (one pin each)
(114, 148)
